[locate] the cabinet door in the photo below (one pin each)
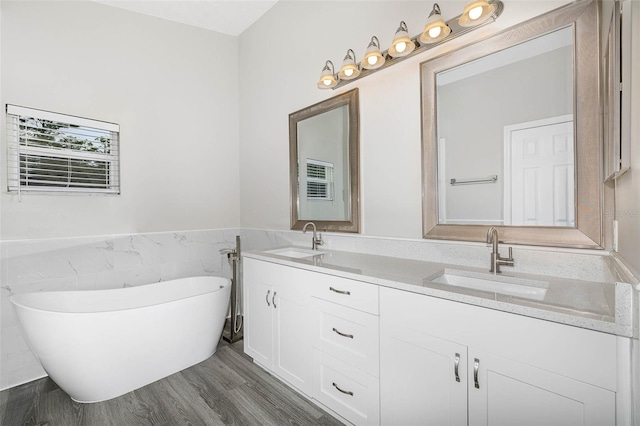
(292, 355)
(505, 392)
(423, 379)
(258, 310)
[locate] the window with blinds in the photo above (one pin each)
(51, 152)
(319, 180)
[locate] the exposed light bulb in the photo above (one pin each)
(475, 13)
(327, 78)
(348, 72)
(435, 32)
(372, 60)
(400, 47)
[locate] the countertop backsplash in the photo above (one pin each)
(590, 265)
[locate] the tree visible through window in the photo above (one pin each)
(54, 152)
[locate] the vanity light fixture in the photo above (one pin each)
(476, 13)
(327, 78)
(402, 44)
(435, 29)
(350, 69)
(373, 59)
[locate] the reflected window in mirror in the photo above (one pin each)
(320, 183)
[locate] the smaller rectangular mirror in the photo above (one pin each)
(324, 160)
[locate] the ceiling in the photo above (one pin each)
(224, 16)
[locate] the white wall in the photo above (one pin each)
(172, 88)
(281, 57)
(628, 186)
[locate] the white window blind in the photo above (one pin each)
(51, 152)
(319, 180)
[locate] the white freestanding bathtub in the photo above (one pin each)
(100, 344)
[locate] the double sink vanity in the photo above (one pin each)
(384, 340)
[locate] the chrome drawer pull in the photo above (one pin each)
(456, 368)
(476, 367)
(343, 391)
(340, 291)
(268, 292)
(350, 336)
(273, 299)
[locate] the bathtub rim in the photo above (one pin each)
(15, 299)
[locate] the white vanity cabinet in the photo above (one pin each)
(345, 341)
(379, 355)
(277, 302)
(511, 369)
(317, 332)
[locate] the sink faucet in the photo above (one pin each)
(496, 260)
(315, 241)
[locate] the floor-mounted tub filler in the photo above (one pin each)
(100, 344)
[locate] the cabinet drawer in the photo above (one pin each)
(351, 293)
(350, 392)
(347, 334)
(293, 280)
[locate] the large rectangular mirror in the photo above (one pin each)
(511, 134)
(324, 160)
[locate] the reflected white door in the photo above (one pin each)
(539, 158)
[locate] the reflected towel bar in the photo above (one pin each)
(490, 179)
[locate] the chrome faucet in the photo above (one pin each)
(496, 260)
(315, 241)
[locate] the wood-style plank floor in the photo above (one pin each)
(226, 389)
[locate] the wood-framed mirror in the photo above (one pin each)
(324, 164)
(511, 135)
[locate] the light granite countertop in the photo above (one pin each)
(601, 306)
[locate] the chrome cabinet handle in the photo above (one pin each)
(476, 367)
(456, 368)
(267, 298)
(343, 391)
(350, 336)
(340, 291)
(273, 299)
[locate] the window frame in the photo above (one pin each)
(327, 181)
(18, 150)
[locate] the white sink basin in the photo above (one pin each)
(295, 252)
(519, 287)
